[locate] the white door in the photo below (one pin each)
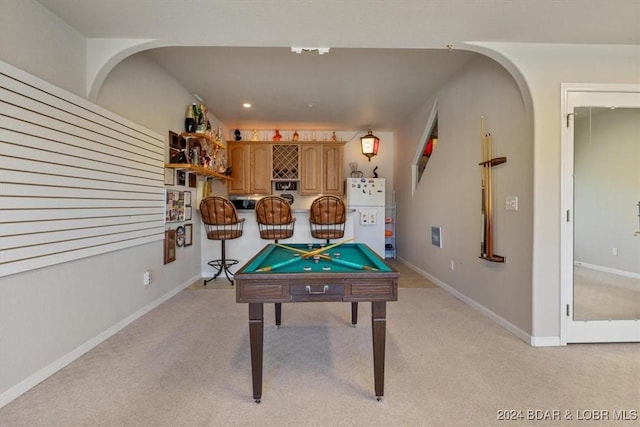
(601, 210)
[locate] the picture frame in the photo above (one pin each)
(178, 152)
(174, 210)
(169, 246)
(187, 198)
(181, 178)
(193, 180)
(188, 235)
(180, 206)
(169, 177)
(180, 236)
(187, 213)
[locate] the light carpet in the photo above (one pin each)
(187, 363)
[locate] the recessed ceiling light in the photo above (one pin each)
(246, 105)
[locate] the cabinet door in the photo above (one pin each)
(311, 169)
(332, 170)
(239, 161)
(260, 173)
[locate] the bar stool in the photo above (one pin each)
(275, 222)
(221, 222)
(327, 217)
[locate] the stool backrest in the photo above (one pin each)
(273, 210)
(216, 210)
(328, 210)
(220, 218)
(327, 217)
(275, 220)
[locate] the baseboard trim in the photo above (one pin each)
(545, 341)
(474, 304)
(44, 373)
(602, 268)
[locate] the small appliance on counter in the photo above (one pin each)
(243, 203)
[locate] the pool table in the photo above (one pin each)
(347, 272)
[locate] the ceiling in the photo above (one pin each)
(386, 57)
(344, 89)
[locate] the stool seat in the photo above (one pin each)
(221, 223)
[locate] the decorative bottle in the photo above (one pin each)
(190, 121)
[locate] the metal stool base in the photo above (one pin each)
(222, 265)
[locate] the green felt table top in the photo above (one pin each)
(346, 257)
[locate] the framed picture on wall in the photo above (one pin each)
(187, 213)
(188, 234)
(169, 177)
(193, 180)
(180, 236)
(169, 246)
(187, 198)
(181, 177)
(177, 149)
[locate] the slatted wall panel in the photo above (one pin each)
(75, 179)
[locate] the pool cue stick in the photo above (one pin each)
(279, 264)
(326, 248)
(485, 188)
(352, 264)
(299, 250)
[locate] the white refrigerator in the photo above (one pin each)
(367, 197)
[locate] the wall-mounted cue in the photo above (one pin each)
(488, 162)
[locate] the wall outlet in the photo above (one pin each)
(614, 251)
(147, 278)
(452, 265)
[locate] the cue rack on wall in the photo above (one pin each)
(488, 163)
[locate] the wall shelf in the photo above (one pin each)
(209, 138)
(198, 170)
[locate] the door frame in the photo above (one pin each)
(627, 95)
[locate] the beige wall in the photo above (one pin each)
(38, 42)
(449, 193)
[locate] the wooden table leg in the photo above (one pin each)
(256, 333)
(354, 314)
(278, 307)
(378, 328)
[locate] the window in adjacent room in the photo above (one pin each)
(426, 148)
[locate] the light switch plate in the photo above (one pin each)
(511, 203)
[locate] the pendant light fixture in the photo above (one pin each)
(370, 144)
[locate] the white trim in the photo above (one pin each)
(524, 336)
(545, 341)
(623, 273)
(572, 331)
(44, 373)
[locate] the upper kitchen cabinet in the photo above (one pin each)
(321, 169)
(250, 168)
